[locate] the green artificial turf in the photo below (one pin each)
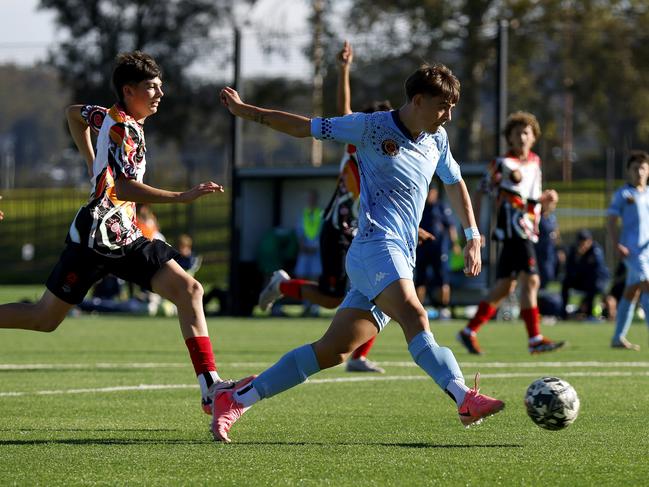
(392, 429)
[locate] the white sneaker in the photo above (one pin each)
(363, 365)
(271, 292)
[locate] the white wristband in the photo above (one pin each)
(472, 233)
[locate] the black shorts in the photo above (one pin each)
(79, 267)
(517, 255)
(333, 251)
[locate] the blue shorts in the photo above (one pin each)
(371, 267)
(637, 268)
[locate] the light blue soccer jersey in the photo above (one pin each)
(395, 172)
(633, 207)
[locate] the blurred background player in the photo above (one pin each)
(586, 271)
(339, 225)
(104, 237)
(432, 267)
(515, 181)
(307, 265)
(631, 204)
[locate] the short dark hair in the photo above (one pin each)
(524, 119)
(638, 156)
(433, 80)
(131, 68)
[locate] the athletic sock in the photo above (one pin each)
(439, 363)
(485, 313)
(364, 349)
(200, 351)
(624, 318)
(532, 320)
(293, 287)
(292, 369)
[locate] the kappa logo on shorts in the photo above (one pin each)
(390, 147)
(379, 277)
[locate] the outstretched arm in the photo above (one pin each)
(460, 201)
(132, 190)
(344, 93)
(289, 123)
(80, 132)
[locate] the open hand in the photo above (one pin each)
(200, 190)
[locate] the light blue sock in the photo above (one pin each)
(625, 312)
(644, 302)
(438, 362)
(292, 369)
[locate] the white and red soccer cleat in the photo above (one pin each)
(476, 406)
(271, 292)
(226, 410)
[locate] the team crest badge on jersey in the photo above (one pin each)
(390, 147)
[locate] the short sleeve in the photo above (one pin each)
(94, 116)
(448, 169)
(125, 151)
(348, 129)
(617, 205)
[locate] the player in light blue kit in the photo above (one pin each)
(631, 204)
(398, 152)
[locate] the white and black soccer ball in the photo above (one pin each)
(552, 403)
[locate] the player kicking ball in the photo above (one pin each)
(399, 151)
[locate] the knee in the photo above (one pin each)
(190, 289)
(533, 282)
(196, 290)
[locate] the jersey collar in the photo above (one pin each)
(397, 121)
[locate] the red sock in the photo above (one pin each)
(532, 321)
(293, 287)
(364, 349)
(200, 351)
(485, 313)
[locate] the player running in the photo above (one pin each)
(399, 151)
(104, 238)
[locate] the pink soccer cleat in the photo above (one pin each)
(476, 406)
(206, 402)
(226, 410)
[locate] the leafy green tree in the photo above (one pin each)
(180, 34)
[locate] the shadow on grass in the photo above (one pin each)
(102, 430)
(106, 441)
(197, 441)
(396, 444)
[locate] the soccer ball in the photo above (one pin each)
(551, 403)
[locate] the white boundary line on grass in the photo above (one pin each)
(172, 365)
(382, 378)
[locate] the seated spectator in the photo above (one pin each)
(586, 271)
(187, 259)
